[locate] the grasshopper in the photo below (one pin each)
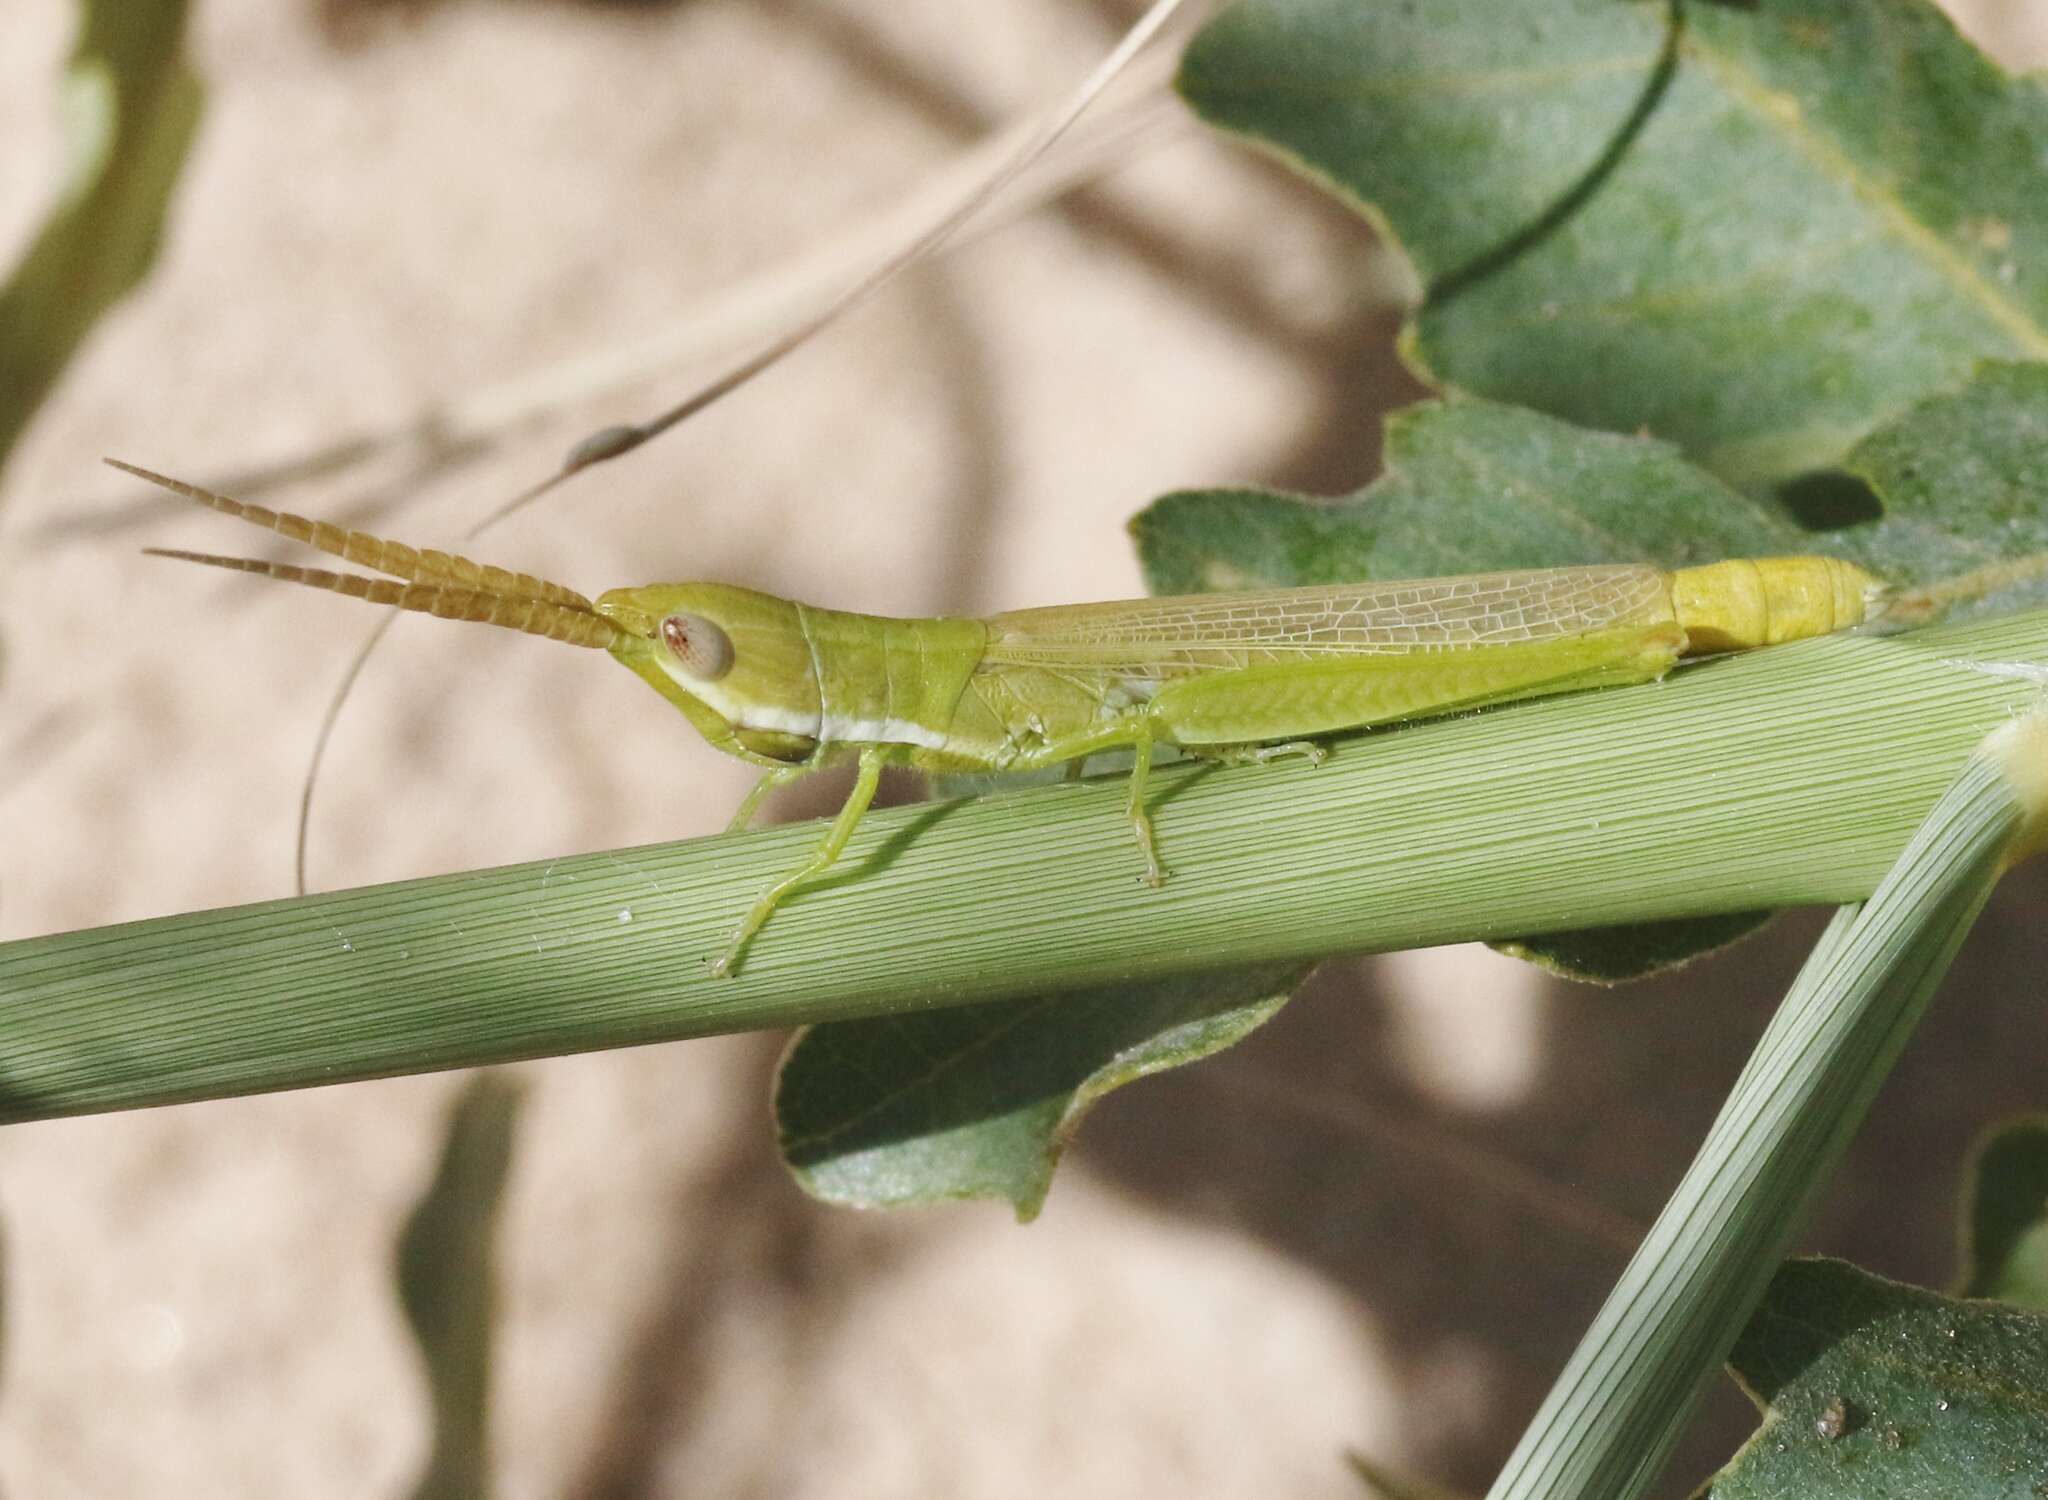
(793, 688)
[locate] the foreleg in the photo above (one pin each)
(868, 778)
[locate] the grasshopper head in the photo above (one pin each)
(736, 662)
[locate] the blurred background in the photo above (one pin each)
(1379, 1225)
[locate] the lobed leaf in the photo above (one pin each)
(1755, 230)
(1962, 478)
(1872, 1388)
(1955, 488)
(1616, 955)
(1470, 485)
(980, 1101)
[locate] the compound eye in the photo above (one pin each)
(701, 648)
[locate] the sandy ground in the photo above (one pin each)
(1379, 1225)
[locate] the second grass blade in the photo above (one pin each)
(1609, 1422)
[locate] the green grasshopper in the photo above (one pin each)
(1237, 676)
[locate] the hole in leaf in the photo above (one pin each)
(1830, 500)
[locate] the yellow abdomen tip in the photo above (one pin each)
(1764, 601)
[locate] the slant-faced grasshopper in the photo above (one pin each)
(1243, 676)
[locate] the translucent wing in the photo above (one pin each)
(1171, 637)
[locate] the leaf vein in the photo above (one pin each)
(1785, 116)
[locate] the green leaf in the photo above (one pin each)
(131, 106)
(980, 1102)
(2005, 1223)
(1616, 955)
(1963, 478)
(1957, 493)
(1870, 1388)
(447, 1284)
(1757, 230)
(1469, 485)
(1958, 488)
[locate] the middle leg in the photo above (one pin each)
(1259, 755)
(1135, 731)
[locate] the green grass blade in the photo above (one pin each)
(1782, 778)
(1609, 1422)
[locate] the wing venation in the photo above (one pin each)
(1198, 632)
